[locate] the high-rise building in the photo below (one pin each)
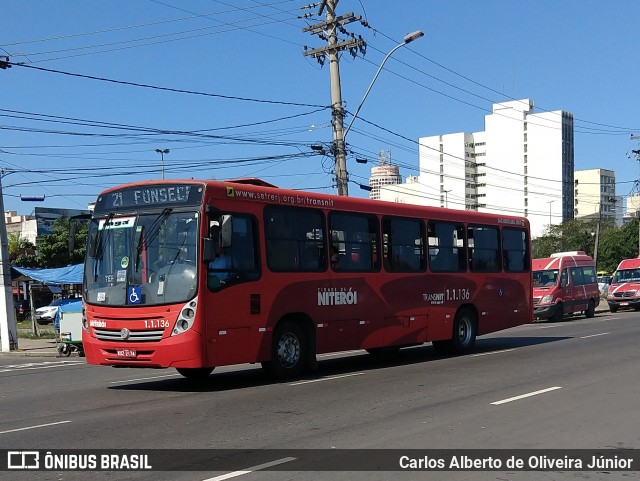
(521, 164)
(595, 195)
(385, 173)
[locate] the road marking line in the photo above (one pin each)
(39, 367)
(492, 352)
(143, 378)
(549, 327)
(522, 396)
(34, 427)
(32, 364)
(330, 378)
(595, 335)
(251, 469)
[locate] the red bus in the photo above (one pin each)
(198, 274)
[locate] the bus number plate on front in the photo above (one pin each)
(128, 353)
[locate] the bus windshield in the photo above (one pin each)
(626, 275)
(145, 259)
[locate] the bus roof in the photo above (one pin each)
(245, 189)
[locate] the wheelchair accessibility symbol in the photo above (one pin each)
(135, 295)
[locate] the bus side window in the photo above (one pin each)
(446, 247)
(515, 249)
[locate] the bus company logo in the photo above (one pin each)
(519, 222)
(434, 298)
(97, 323)
(328, 296)
(230, 192)
(23, 460)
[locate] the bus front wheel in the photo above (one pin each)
(195, 373)
(289, 351)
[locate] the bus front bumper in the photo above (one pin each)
(183, 350)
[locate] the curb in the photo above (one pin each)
(32, 353)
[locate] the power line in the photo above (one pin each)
(166, 89)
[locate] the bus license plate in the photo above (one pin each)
(129, 353)
(624, 303)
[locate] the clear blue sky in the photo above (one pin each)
(67, 137)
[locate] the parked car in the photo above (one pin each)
(46, 314)
(604, 281)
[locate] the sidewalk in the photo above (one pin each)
(36, 348)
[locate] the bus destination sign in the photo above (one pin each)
(162, 195)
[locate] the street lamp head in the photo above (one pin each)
(410, 37)
(162, 151)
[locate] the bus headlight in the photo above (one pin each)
(547, 299)
(186, 317)
(85, 324)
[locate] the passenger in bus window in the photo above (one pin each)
(218, 265)
(334, 256)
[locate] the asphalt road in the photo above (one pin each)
(566, 385)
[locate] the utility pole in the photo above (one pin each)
(327, 30)
(8, 329)
(637, 154)
(595, 248)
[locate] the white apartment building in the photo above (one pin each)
(595, 195)
(521, 164)
(23, 225)
(632, 208)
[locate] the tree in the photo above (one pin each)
(617, 244)
(53, 249)
(18, 245)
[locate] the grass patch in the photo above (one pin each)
(43, 335)
(25, 330)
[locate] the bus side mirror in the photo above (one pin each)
(208, 250)
(226, 230)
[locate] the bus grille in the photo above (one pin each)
(134, 336)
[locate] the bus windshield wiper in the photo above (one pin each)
(99, 243)
(154, 230)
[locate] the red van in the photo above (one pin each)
(564, 283)
(624, 291)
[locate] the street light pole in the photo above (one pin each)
(162, 152)
(340, 151)
(410, 37)
(550, 202)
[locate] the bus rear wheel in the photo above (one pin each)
(289, 351)
(195, 373)
(465, 330)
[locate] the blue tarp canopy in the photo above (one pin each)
(60, 275)
(71, 305)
